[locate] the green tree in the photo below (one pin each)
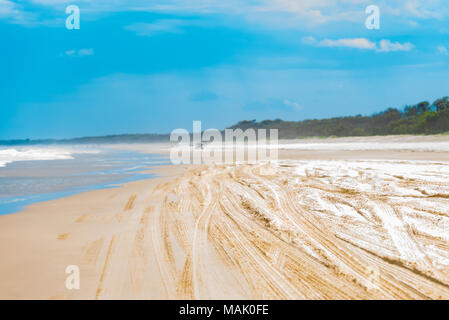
(442, 104)
(422, 107)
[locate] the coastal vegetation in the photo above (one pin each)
(421, 118)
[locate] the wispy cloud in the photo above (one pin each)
(293, 104)
(80, 52)
(14, 13)
(387, 46)
(292, 13)
(360, 43)
(7, 8)
(426, 9)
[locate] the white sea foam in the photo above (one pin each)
(10, 155)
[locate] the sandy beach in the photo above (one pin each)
(193, 150)
(319, 223)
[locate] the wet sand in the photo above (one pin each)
(318, 224)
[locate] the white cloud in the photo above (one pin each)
(425, 9)
(16, 12)
(80, 53)
(278, 14)
(7, 8)
(309, 40)
(293, 104)
(360, 43)
(387, 46)
(13, 12)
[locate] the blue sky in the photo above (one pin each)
(154, 66)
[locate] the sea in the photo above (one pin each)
(41, 173)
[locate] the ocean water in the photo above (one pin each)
(34, 174)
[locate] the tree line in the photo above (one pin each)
(421, 118)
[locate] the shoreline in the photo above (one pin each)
(26, 182)
(39, 242)
(135, 242)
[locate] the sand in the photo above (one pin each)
(37, 245)
(318, 224)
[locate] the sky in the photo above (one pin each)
(154, 66)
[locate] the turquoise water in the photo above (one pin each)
(26, 182)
